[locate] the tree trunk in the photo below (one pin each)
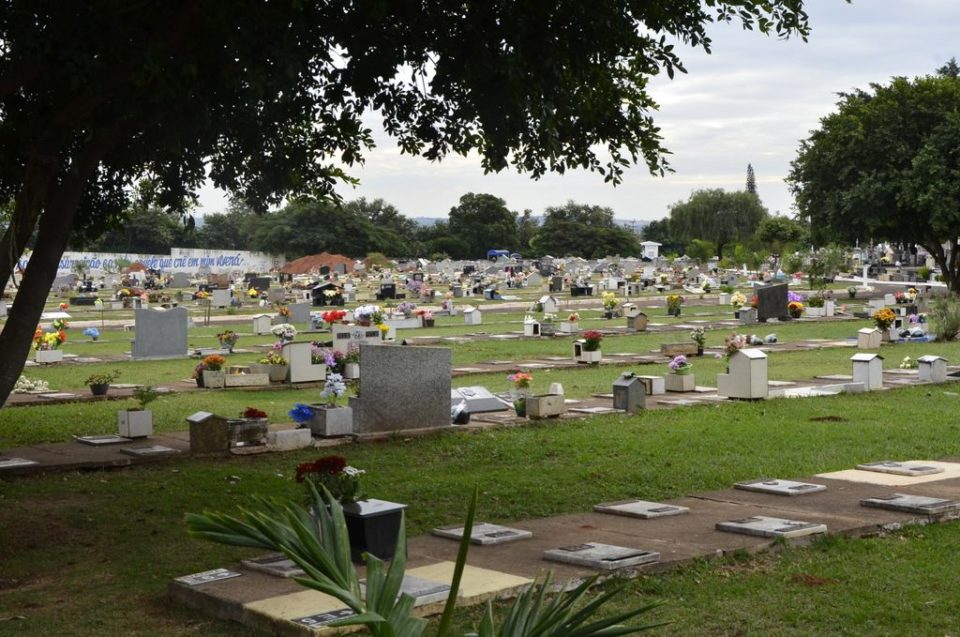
(948, 266)
(55, 225)
(31, 199)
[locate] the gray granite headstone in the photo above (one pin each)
(160, 334)
(484, 533)
(912, 504)
(603, 557)
(780, 487)
(901, 468)
(772, 302)
(403, 388)
(180, 280)
(640, 509)
(764, 526)
(299, 312)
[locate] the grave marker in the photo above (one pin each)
(912, 504)
(640, 509)
(764, 526)
(772, 302)
(780, 487)
(910, 468)
(603, 557)
(484, 533)
(160, 334)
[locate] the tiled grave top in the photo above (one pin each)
(422, 590)
(484, 533)
(764, 526)
(950, 470)
(780, 487)
(108, 439)
(908, 468)
(640, 509)
(912, 504)
(603, 557)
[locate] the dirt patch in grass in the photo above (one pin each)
(812, 580)
(828, 419)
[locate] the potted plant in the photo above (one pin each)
(285, 332)
(547, 328)
(92, 333)
(283, 313)
(610, 304)
(326, 419)
(733, 344)
(99, 384)
(680, 378)
(427, 317)
(795, 309)
(883, 319)
(674, 303)
(571, 325)
(47, 343)
(228, 338)
(277, 365)
(212, 371)
(699, 336)
(351, 362)
(591, 347)
(852, 291)
(373, 526)
(138, 422)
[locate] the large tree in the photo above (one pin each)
(484, 223)
(583, 231)
(717, 216)
(267, 98)
(885, 167)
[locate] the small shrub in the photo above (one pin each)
(944, 318)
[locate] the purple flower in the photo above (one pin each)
(793, 297)
(301, 413)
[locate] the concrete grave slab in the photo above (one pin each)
(301, 607)
(909, 468)
(780, 487)
(603, 557)
(763, 526)
(478, 399)
(422, 590)
(913, 504)
(951, 470)
(484, 533)
(593, 410)
(58, 395)
(640, 509)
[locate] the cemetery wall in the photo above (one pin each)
(188, 260)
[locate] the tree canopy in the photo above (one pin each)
(267, 99)
(884, 166)
(483, 222)
(716, 216)
(584, 231)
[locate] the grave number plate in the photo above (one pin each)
(206, 577)
(322, 619)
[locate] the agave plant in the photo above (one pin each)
(318, 543)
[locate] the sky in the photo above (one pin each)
(750, 101)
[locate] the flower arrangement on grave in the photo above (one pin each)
(680, 365)
(610, 301)
(548, 318)
(536, 307)
(909, 363)
(92, 333)
(917, 318)
(520, 380)
(816, 301)
(426, 315)
(699, 336)
(102, 378)
(333, 316)
(123, 293)
(252, 413)
(253, 293)
(754, 301)
(273, 358)
(332, 472)
(48, 340)
(795, 309)
(334, 360)
(331, 292)
(25, 386)
(228, 338)
(592, 340)
(910, 295)
(573, 318)
(674, 302)
(283, 310)
(60, 325)
(200, 295)
(733, 344)
(365, 313)
(212, 363)
(794, 297)
(738, 300)
(64, 306)
(333, 388)
(406, 308)
(852, 291)
(884, 318)
(284, 331)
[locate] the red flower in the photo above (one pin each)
(253, 412)
(330, 465)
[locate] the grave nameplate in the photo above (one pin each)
(98, 441)
(276, 564)
(322, 619)
(151, 451)
(771, 527)
(640, 509)
(10, 463)
(484, 533)
(594, 410)
(901, 468)
(422, 590)
(206, 577)
(780, 487)
(604, 557)
(478, 399)
(912, 504)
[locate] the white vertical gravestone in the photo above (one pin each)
(932, 368)
(302, 367)
(868, 369)
(746, 376)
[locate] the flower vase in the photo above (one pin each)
(520, 406)
(99, 389)
(199, 380)
(331, 421)
(680, 382)
(699, 350)
(591, 357)
(351, 370)
(49, 355)
(373, 527)
(214, 379)
(278, 373)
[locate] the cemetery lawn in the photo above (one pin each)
(91, 553)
